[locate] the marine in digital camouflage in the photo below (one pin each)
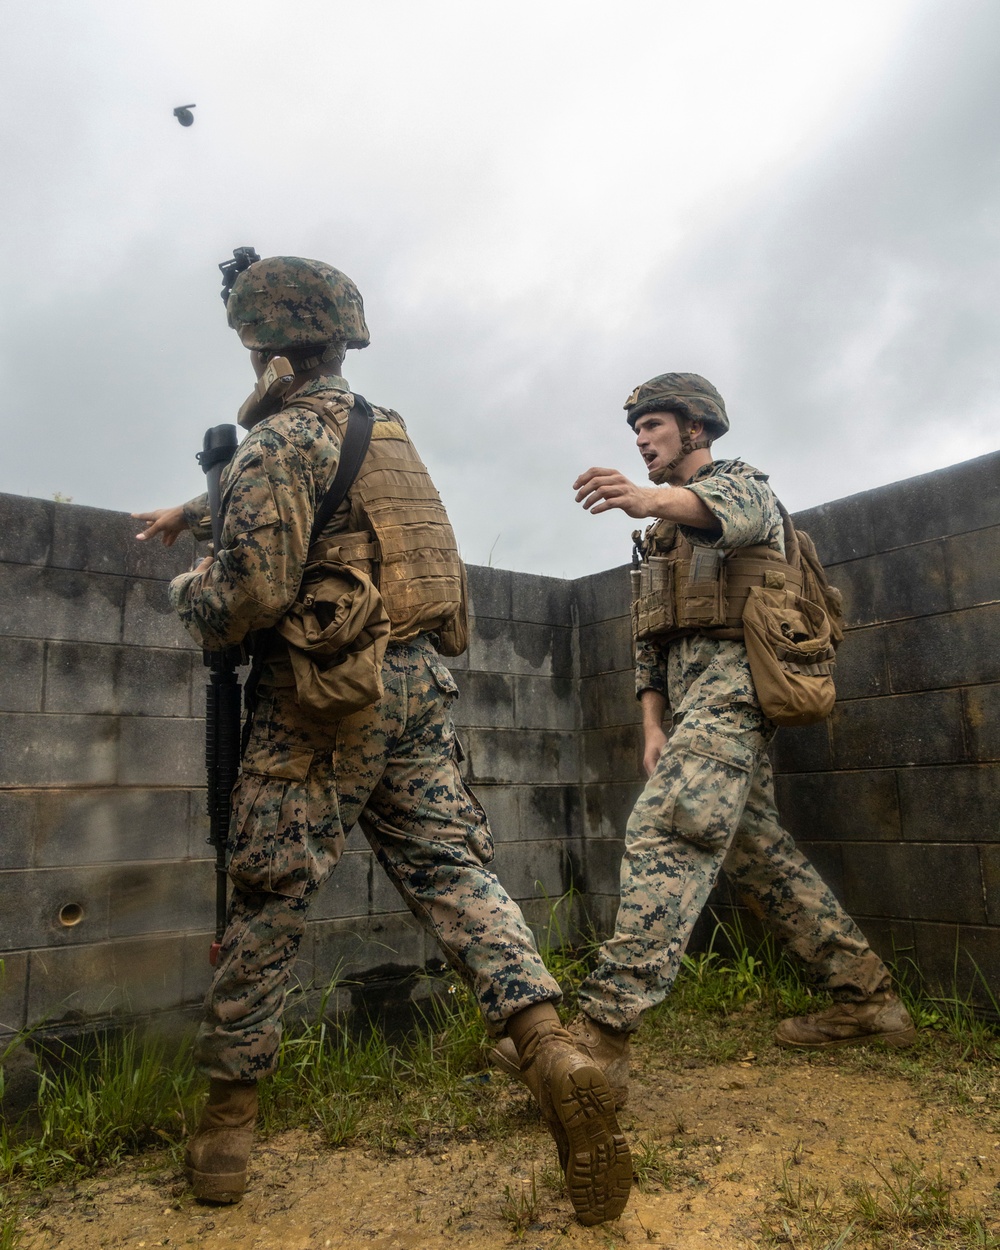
(709, 806)
(306, 781)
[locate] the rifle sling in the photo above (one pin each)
(352, 453)
(353, 450)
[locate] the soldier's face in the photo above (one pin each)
(658, 440)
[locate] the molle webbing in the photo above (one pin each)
(702, 590)
(408, 545)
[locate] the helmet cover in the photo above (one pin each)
(687, 393)
(286, 302)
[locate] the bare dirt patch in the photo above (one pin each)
(724, 1151)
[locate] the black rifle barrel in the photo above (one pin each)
(223, 705)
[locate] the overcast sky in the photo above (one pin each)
(542, 203)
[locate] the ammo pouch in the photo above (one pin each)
(337, 631)
(791, 655)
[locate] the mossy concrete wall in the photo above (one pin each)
(105, 881)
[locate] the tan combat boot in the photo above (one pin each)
(882, 1019)
(577, 1105)
(606, 1047)
(216, 1156)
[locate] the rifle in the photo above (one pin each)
(223, 704)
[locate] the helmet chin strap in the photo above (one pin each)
(687, 447)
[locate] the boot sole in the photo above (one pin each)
(902, 1037)
(598, 1162)
(221, 1188)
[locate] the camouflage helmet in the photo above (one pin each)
(286, 302)
(687, 393)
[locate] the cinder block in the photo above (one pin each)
(196, 971)
(502, 807)
(861, 668)
(506, 756)
(25, 530)
(912, 581)
(149, 620)
(916, 881)
(607, 807)
(602, 874)
(954, 804)
(851, 806)
(612, 754)
(551, 813)
(807, 750)
(93, 826)
(924, 728)
(857, 581)
(959, 648)
(981, 709)
(935, 505)
(348, 889)
(389, 946)
(543, 600)
(80, 677)
(609, 699)
(159, 898)
(46, 750)
(154, 561)
(546, 703)
(520, 647)
(606, 647)
(490, 591)
(989, 859)
(960, 961)
(197, 823)
(893, 942)
(17, 828)
(21, 667)
(91, 539)
(538, 869)
(52, 907)
(129, 977)
(152, 682)
(157, 751)
(603, 596)
(56, 603)
(842, 530)
(13, 994)
(485, 699)
(973, 564)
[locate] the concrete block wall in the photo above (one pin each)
(897, 796)
(105, 882)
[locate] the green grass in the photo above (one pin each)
(122, 1094)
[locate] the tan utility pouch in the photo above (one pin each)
(653, 597)
(337, 631)
(791, 656)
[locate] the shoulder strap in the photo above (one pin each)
(352, 453)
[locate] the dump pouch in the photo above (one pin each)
(791, 656)
(337, 631)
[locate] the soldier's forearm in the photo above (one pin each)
(653, 704)
(678, 504)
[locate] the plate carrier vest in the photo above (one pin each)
(400, 534)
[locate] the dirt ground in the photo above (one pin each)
(718, 1142)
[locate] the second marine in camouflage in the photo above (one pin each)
(708, 805)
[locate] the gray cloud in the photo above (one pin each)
(517, 288)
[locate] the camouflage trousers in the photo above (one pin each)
(709, 807)
(392, 768)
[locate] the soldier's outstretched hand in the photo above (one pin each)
(169, 523)
(601, 489)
